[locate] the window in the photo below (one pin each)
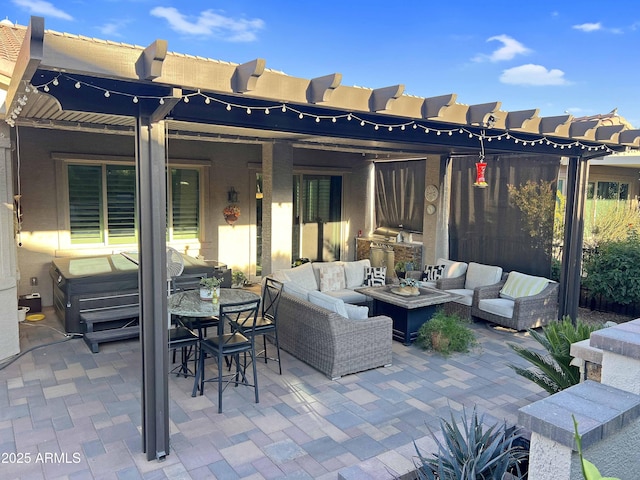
(103, 210)
(608, 190)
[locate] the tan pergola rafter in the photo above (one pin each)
(321, 88)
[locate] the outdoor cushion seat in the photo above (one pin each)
(478, 275)
(466, 295)
(519, 302)
(335, 279)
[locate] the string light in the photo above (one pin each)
(284, 108)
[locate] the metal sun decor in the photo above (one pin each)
(231, 213)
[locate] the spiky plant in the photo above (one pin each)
(476, 452)
(553, 371)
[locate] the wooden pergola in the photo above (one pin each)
(69, 82)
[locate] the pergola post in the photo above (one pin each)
(152, 201)
(570, 273)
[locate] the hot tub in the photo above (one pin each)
(83, 283)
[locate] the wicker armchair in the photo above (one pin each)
(528, 312)
(333, 344)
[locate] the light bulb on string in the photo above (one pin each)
(333, 119)
(390, 129)
(362, 123)
(402, 128)
(161, 100)
(248, 111)
(55, 82)
(228, 107)
(77, 85)
(284, 108)
(107, 94)
(46, 88)
(415, 126)
(376, 127)
(207, 100)
(135, 99)
(349, 117)
(186, 99)
(266, 111)
(301, 116)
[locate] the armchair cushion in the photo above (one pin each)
(354, 272)
(466, 298)
(497, 306)
(522, 285)
(479, 275)
(452, 268)
(303, 275)
(355, 312)
(295, 289)
(332, 304)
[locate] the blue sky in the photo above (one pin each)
(572, 56)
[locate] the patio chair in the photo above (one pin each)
(266, 323)
(186, 340)
(229, 346)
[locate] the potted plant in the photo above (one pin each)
(210, 288)
(402, 268)
(446, 334)
(238, 278)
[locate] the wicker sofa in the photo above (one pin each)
(329, 342)
(524, 311)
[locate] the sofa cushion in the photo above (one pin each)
(354, 272)
(355, 312)
(522, 285)
(303, 275)
(295, 290)
(466, 296)
(497, 306)
(479, 275)
(348, 296)
(432, 273)
(317, 266)
(375, 276)
(332, 304)
(332, 278)
(452, 269)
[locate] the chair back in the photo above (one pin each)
(271, 292)
(241, 316)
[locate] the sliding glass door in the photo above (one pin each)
(317, 207)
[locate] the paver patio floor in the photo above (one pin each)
(67, 413)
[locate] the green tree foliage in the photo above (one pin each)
(613, 270)
(553, 371)
(537, 201)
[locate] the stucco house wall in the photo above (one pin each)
(224, 165)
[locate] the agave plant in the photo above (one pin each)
(553, 371)
(476, 452)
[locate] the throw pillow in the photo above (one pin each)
(332, 278)
(522, 285)
(375, 276)
(432, 273)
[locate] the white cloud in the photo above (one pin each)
(211, 24)
(588, 27)
(509, 49)
(531, 74)
(42, 8)
(113, 28)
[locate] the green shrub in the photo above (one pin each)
(613, 271)
(446, 334)
(475, 453)
(554, 371)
